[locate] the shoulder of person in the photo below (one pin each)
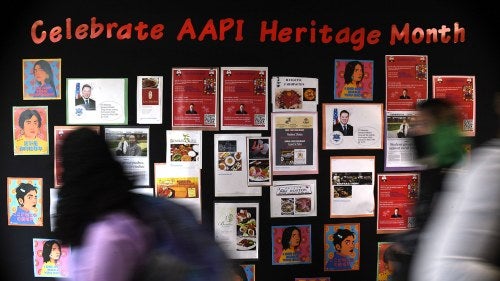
(184, 248)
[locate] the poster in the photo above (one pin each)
(460, 90)
(291, 244)
(353, 80)
(24, 201)
(294, 137)
(99, 101)
(352, 186)
(353, 126)
(400, 151)
(236, 228)
(195, 93)
(244, 98)
(180, 184)
(396, 196)
(259, 161)
(184, 148)
(386, 261)
(149, 99)
(51, 258)
(60, 133)
(294, 93)
(30, 130)
(293, 198)
(230, 171)
(342, 246)
(406, 81)
(130, 145)
(42, 79)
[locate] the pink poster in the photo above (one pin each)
(291, 244)
(50, 258)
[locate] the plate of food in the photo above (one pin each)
(246, 244)
(229, 161)
(289, 99)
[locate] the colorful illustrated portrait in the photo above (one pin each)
(243, 272)
(41, 79)
(30, 128)
(386, 261)
(353, 80)
(341, 244)
(50, 258)
(25, 201)
(291, 244)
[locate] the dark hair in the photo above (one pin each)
(23, 189)
(48, 69)
(47, 248)
(344, 111)
(27, 114)
(86, 86)
(239, 271)
(349, 70)
(389, 254)
(442, 110)
(341, 235)
(287, 235)
(94, 184)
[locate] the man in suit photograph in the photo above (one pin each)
(241, 110)
(342, 126)
(191, 110)
(396, 213)
(405, 95)
(85, 100)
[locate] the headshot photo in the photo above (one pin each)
(343, 126)
(84, 99)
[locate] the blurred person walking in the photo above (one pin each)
(439, 146)
(461, 240)
(114, 233)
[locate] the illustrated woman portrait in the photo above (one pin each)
(44, 79)
(290, 242)
(353, 76)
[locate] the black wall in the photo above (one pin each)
(112, 58)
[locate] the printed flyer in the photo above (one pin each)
(396, 196)
(294, 93)
(461, 92)
(236, 227)
(295, 138)
(244, 98)
(149, 99)
(195, 93)
(406, 81)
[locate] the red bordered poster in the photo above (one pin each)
(461, 92)
(244, 98)
(194, 98)
(397, 194)
(406, 81)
